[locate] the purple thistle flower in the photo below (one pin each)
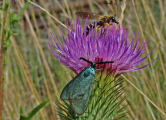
(111, 44)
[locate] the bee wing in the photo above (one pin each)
(85, 14)
(68, 89)
(81, 95)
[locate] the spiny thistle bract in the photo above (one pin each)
(110, 44)
(105, 104)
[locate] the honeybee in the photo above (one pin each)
(102, 20)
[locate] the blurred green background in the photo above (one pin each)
(34, 75)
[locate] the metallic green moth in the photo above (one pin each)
(79, 89)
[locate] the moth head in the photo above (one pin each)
(93, 65)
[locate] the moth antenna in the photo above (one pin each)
(85, 60)
(114, 10)
(105, 62)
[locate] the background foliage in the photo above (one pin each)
(34, 75)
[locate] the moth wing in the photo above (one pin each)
(68, 89)
(81, 96)
(65, 94)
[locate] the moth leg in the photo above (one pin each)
(98, 84)
(79, 68)
(99, 69)
(97, 81)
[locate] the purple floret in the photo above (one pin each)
(110, 44)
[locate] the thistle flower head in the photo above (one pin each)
(110, 44)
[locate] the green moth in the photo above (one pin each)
(79, 89)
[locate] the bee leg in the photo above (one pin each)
(96, 34)
(97, 27)
(110, 25)
(105, 24)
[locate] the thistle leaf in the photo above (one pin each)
(33, 112)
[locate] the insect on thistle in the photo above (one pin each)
(102, 20)
(79, 89)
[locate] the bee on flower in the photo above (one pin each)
(110, 44)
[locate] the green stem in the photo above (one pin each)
(2, 56)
